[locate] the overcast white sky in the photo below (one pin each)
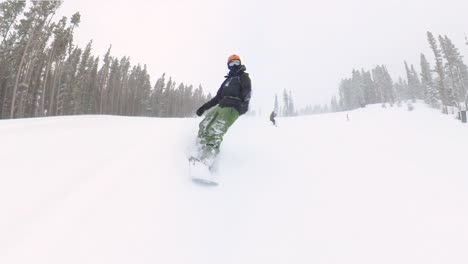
(303, 45)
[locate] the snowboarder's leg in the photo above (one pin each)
(203, 131)
(212, 130)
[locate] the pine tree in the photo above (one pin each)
(384, 84)
(61, 102)
(358, 99)
(431, 95)
(92, 103)
(123, 93)
(346, 94)
(417, 83)
(276, 104)
(368, 88)
(402, 91)
(156, 96)
(82, 75)
(452, 79)
(412, 84)
(439, 69)
(456, 69)
(291, 108)
(145, 89)
(286, 110)
(334, 105)
(103, 76)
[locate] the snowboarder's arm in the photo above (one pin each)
(246, 87)
(214, 101)
(245, 93)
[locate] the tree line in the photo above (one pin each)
(443, 85)
(287, 107)
(42, 73)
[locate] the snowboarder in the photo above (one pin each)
(231, 101)
(272, 118)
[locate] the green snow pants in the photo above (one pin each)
(212, 129)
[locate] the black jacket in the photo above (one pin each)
(272, 116)
(234, 91)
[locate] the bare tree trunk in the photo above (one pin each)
(26, 85)
(103, 86)
(102, 100)
(54, 84)
(49, 64)
(35, 88)
(3, 94)
(15, 88)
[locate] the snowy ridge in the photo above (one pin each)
(389, 186)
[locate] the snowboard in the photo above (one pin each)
(201, 173)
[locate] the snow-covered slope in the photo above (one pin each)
(388, 186)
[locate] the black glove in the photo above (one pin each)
(244, 107)
(200, 111)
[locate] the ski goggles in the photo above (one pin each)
(234, 63)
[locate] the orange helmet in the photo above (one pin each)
(233, 57)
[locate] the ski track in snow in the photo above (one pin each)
(389, 186)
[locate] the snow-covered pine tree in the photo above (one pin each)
(93, 93)
(384, 83)
(414, 85)
(456, 68)
(345, 94)
(411, 95)
(156, 95)
(388, 85)
(439, 69)
(358, 89)
(449, 52)
(291, 107)
(368, 88)
(335, 107)
(276, 104)
(187, 109)
(79, 86)
(103, 76)
(286, 110)
(401, 91)
(431, 94)
(123, 90)
(417, 83)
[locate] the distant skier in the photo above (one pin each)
(272, 117)
(232, 100)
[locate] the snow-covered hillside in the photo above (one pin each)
(388, 186)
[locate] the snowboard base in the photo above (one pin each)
(200, 173)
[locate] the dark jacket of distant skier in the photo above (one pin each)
(231, 101)
(272, 117)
